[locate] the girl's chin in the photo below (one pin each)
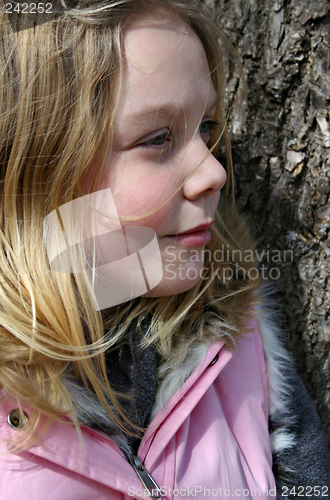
(175, 281)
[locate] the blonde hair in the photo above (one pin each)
(60, 87)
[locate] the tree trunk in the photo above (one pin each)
(281, 155)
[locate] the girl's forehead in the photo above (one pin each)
(145, 40)
(163, 56)
(163, 21)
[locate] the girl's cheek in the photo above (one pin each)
(159, 220)
(137, 187)
(143, 197)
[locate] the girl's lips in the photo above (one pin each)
(201, 227)
(193, 239)
(198, 236)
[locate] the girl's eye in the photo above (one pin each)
(162, 140)
(208, 126)
(159, 140)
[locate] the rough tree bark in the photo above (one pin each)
(281, 155)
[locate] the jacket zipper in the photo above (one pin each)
(145, 478)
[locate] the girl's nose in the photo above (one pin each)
(208, 178)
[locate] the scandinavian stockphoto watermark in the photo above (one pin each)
(268, 263)
(124, 262)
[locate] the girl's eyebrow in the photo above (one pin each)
(168, 110)
(151, 113)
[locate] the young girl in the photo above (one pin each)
(138, 357)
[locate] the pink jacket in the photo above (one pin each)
(210, 440)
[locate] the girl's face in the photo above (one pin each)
(162, 128)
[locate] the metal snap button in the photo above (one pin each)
(16, 420)
(214, 360)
